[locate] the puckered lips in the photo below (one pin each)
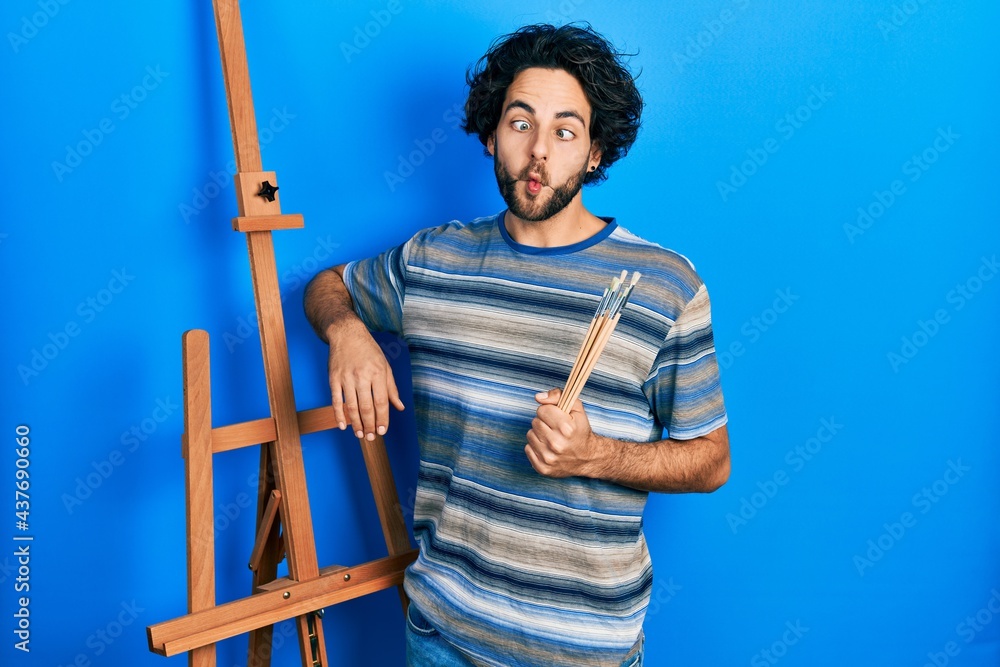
(534, 181)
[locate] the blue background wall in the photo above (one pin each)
(829, 167)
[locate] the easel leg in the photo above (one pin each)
(198, 483)
(312, 646)
(260, 639)
(390, 515)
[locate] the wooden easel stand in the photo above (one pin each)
(284, 522)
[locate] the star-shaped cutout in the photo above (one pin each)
(267, 190)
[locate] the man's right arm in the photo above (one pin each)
(361, 380)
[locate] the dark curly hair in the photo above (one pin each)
(610, 88)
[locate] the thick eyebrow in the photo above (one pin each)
(571, 114)
(520, 104)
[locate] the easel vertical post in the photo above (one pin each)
(242, 122)
(198, 483)
(290, 479)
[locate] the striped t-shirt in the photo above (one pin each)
(516, 568)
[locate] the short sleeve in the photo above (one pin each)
(378, 286)
(683, 385)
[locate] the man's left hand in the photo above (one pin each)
(561, 444)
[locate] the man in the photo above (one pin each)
(528, 518)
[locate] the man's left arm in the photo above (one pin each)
(562, 444)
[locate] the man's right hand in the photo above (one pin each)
(361, 380)
(360, 377)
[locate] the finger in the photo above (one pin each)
(552, 416)
(381, 402)
(578, 416)
(560, 424)
(351, 410)
(538, 461)
(394, 392)
(532, 458)
(550, 397)
(542, 430)
(366, 409)
(539, 453)
(338, 405)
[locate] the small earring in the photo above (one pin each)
(592, 168)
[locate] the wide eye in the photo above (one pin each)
(565, 134)
(521, 125)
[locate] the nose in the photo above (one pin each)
(540, 147)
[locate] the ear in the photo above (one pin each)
(595, 156)
(491, 143)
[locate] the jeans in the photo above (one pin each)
(426, 648)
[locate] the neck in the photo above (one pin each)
(571, 225)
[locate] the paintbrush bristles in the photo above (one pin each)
(598, 334)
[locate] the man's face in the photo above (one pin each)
(542, 149)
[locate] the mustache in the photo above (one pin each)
(535, 167)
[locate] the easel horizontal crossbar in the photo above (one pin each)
(245, 434)
(282, 583)
(268, 223)
(233, 618)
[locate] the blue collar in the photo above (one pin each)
(609, 228)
